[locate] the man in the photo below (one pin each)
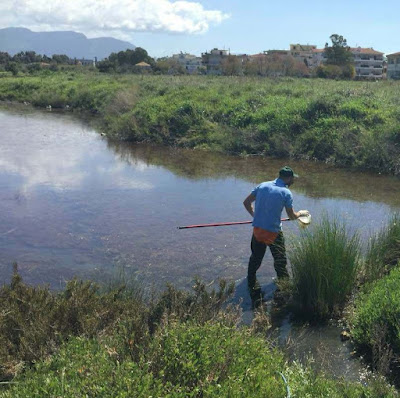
(270, 199)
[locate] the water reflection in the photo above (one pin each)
(316, 180)
(72, 203)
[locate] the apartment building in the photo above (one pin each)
(189, 62)
(277, 52)
(213, 60)
(368, 63)
(303, 52)
(318, 57)
(393, 66)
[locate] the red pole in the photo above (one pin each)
(223, 224)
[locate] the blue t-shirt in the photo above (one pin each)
(271, 198)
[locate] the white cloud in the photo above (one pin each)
(119, 17)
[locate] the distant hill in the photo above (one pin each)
(73, 44)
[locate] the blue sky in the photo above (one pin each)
(164, 27)
(254, 26)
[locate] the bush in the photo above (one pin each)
(85, 368)
(183, 360)
(35, 321)
(324, 264)
(376, 321)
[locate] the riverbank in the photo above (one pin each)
(112, 342)
(346, 123)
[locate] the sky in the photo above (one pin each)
(166, 27)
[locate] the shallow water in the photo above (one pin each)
(74, 203)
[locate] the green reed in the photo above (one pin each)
(324, 262)
(383, 250)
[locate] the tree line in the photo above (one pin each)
(339, 63)
(29, 61)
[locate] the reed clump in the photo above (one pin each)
(383, 251)
(325, 262)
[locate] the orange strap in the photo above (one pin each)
(264, 236)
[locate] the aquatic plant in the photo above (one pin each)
(324, 263)
(383, 250)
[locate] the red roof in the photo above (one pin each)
(259, 55)
(364, 50)
(359, 50)
(393, 55)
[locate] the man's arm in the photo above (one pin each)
(248, 204)
(293, 215)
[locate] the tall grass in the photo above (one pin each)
(383, 250)
(324, 263)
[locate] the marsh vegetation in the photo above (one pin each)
(91, 341)
(348, 123)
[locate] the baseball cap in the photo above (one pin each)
(287, 171)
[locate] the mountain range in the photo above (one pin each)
(73, 44)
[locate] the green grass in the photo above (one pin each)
(383, 251)
(376, 320)
(324, 263)
(353, 124)
(376, 310)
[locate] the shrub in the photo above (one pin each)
(324, 264)
(35, 321)
(376, 321)
(85, 368)
(183, 360)
(321, 107)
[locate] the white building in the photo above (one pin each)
(189, 62)
(368, 63)
(213, 60)
(393, 66)
(318, 57)
(303, 52)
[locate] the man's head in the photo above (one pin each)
(287, 175)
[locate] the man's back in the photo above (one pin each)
(271, 198)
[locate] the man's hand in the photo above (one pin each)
(303, 213)
(294, 215)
